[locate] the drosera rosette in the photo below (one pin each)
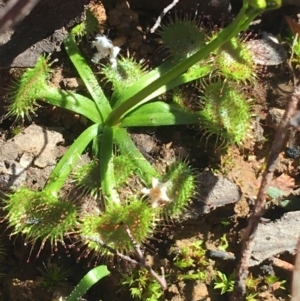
(109, 227)
(181, 179)
(125, 172)
(31, 87)
(34, 85)
(87, 178)
(226, 112)
(174, 192)
(128, 72)
(40, 215)
(235, 61)
(182, 37)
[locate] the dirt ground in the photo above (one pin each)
(229, 179)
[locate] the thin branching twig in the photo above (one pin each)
(141, 259)
(259, 207)
(14, 11)
(163, 13)
(142, 262)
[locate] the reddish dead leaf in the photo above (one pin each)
(276, 286)
(294, 26)
(284, 182)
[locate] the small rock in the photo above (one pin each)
(274, 118)
(216, 191)
(266, 51)
(12, 175)
(276, 237)
(34, 146)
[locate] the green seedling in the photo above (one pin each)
(223, 246)
(252, 297)
(122, 223)
(252, 283)
(223, 283)
(192, 261)
(226, 284)
(53, 275)
(141, 286)
(271, 280)
(191, 256)
(199, 275)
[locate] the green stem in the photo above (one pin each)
(185, 78)
(71, 101)
(88, 77)
(107, 173)
(70, 158)
(245, 16)
(128, 148)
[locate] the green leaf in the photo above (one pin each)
(161, 77)
(71, 101)
(68, 161)
(91, 278)
(159, 113)
(87, 76)
(128, 148)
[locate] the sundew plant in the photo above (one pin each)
(122, 221)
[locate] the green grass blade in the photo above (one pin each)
(91, 278)
(68, 161)
(87, 76)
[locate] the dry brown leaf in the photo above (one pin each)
(294, 26)
(284, 182)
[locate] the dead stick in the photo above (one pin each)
(14, 11)
(166, 9)
(282, 264)
(259, 207)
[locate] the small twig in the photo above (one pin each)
(259, 207)
(14, 11)
(142, 262)
(166, 9)
(110, 249)
(296, 276)
(161, 280)
(282, 264)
